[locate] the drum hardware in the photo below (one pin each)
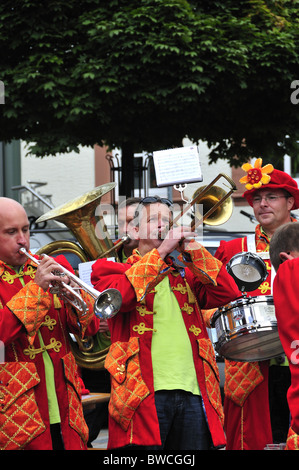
(246, 328)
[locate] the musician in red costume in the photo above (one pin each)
(284, 252)
(272, 194)
(40, 397)
(165, 382)
(98, 381)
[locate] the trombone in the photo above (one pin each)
(107, 303)
(219, 195)
(198, 196)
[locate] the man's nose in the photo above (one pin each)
(21, 238)
(264, 201)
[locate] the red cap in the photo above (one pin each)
(259, 177)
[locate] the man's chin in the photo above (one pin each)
(264, 218)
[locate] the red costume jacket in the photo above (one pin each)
(246, 402)
(285, 294)
(133, 418)
(25, 311)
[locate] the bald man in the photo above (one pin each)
(39, 387)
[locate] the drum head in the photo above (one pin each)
(248, 270)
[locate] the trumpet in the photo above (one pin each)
(106, 305)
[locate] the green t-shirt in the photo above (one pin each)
(172, 357)
(54, 414)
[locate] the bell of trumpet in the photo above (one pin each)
(209, 199)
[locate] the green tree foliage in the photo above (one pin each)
(145, 73)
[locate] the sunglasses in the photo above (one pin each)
(153, 199)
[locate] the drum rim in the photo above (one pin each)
(260, 266)
(240, 301)
(220, 345)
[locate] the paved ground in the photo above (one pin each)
(101, 441)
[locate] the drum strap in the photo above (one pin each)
(251, 247)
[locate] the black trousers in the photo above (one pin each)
(57, 441)
(279, 382)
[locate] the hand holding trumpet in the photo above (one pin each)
(49, 274)
(106, 303)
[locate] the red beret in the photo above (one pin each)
(259, 177)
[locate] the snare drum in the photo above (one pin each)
(246, 330)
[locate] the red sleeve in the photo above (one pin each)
(211, 296)
(89, 322)
(227, 250)
(286, 301)
(108, 274)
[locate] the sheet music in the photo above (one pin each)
(178, 165)
(85, 270)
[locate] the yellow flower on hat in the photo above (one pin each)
(256, 175)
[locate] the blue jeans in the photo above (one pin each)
(182, 421)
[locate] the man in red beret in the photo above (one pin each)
(255, 406)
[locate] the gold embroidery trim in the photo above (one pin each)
(141, 328)
(195, 330)
(32, 351)
(187, 308)
(264, 287)
(182, 289)
(49, 322)
(142, 310)
(10, 278)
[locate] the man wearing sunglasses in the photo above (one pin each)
(164, 379)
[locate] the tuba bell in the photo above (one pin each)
(88, 227)
(87, 224)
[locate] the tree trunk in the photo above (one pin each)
(127, 174)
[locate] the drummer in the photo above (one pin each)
(284, 252)
(255, 406)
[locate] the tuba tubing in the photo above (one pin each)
(107, 303)
(124, 239)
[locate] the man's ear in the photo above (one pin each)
(284, 256)
(135, 232)
(290, 202)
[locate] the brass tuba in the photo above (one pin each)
(87, 224)
(88, 227)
